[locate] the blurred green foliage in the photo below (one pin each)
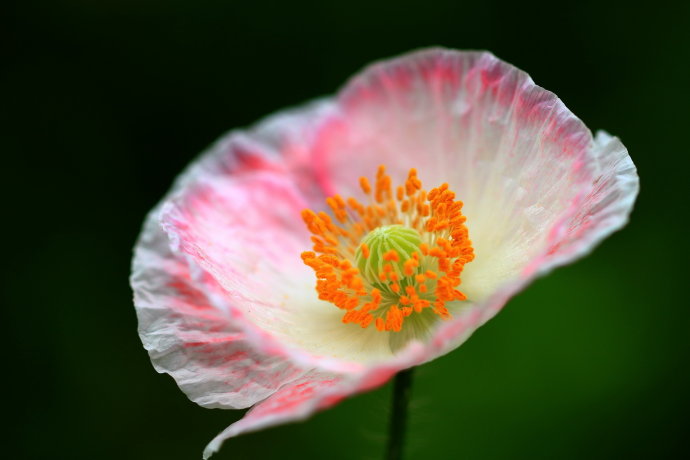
(104, 102)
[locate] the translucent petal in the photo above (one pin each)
(217, 271)
(199, 344)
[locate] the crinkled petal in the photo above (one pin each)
(187, 321)
(246, 233)
(190, 338)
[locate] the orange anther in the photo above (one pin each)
(437, 252)
(391, 255)
(364, 322)
(409, 266)
(376, 295)
(364, 184)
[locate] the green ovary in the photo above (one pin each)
(404, 240)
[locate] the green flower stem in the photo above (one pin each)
(402, 390)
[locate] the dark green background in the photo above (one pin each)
(104, 102)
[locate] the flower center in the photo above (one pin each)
(399, 256)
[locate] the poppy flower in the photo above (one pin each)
(287, 269)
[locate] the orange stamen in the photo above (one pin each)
(391, 255)
(365, 250)
(431, 275)
(364, 184)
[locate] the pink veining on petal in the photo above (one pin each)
(187, 337)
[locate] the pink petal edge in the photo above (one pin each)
(190, 338)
